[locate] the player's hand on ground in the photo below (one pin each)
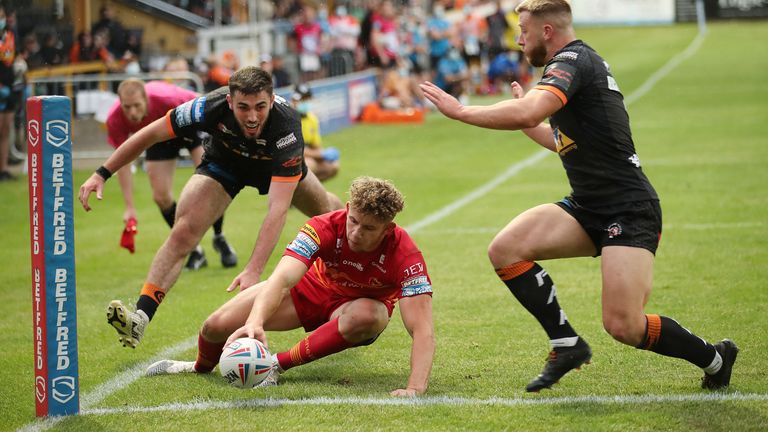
(444, 102)
(95, 183)
(244, 280)
(517, 90)
(405, 393)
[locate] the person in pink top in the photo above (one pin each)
(140, 104)
(340, 279)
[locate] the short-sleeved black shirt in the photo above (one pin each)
(591, 130)
(278, 152)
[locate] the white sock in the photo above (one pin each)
(714, 367)
(564, 342)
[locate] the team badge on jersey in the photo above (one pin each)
(563, 144)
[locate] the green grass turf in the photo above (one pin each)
(699, 135)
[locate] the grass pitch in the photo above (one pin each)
(699, 133)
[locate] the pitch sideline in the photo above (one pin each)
(126, 378)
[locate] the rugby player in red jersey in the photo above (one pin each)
(612, 211)
(340, 279)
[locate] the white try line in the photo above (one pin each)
(440, 401)
(126, 378)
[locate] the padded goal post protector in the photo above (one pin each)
(52, 247)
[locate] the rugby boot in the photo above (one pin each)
(228, 256)
(728, 351)
(129, 325)
(196, 259)
(273, 375)
(164, 367)
(560, 361)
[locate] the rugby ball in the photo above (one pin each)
(245, 363)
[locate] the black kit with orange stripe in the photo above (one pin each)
(591, 130)
(277, 152)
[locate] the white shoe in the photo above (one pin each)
(272, 376)
(129, 325)
(164, 367)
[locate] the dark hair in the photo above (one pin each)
(250, 80)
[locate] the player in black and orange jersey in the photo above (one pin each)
(256, 141)
(340, 278)
(612, 210)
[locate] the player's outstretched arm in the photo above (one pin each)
(154, 132)
(287, 274)
(416, 312)
(279, 201)
(512, 114)
(540, 134)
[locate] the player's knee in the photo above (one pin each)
(623, 329)
(502, 254)
(184, 236)
(367, 320)
(214, 328)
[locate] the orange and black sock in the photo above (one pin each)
(208, 354)
(534, 289)
(150, 298)
(667, 337)
(324, 341)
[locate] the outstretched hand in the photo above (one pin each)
(95, 183)
(447, 104)
(517, 90)
(244, 280)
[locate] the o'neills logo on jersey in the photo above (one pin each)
(566, 55)
(356, 265)
(286, 141)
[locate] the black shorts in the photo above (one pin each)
(170, 149)
(234, 176)
(635, 224)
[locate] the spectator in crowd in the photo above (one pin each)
(84, 49)
(364, 40)
(221, 69)
(179, 64)
(51, 50)
(30, 51)
(385, 42)
(452, 72)
(344, 31)
(439, 32)
(416, 46)
(497, 27)
(275, 66)
(324, 162)
(309, 39)
(473, 30)
(116, 35)
(7, 102)
(396, 89)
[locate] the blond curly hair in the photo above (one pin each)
(376, 197)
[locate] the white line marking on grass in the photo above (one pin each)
(434, 401)
(123, 380)
(477, 193)
(119, 382)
